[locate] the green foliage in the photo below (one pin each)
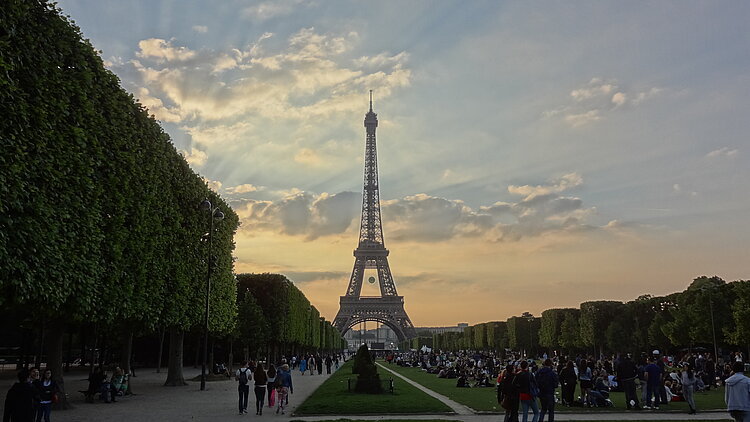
(594, 319)
(98, 220)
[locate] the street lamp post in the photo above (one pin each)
(214, 214)
(713, 325)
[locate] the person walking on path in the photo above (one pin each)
(284, 387)
(243, 377)
(329, 362)
(547, 380)
(302, 366)
(46, 388)
(527, 390)
(737, 394)
(271, 383)
(688, 387)
(627, 372)
(311, 364)
(261, 381)
(19, 403)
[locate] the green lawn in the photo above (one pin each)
(332, 398)
(485, 399)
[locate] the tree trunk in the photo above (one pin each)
(125, 358)
(231, 356)
(247, 352)
(127, 349)
(93, 355)
(197, 351)
(175, 377)
(69, 357)
(210, 368)
(40, 347)
(55, 361)
(161, 350)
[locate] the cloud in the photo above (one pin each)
(246, 188)
(543, 210)
(679, 191)
(561, 184)
(308, 276)
(214, 185)
(195, 157)
(162, 50)
(202, 29)
(300, 214)
(270, 9)
(307, 156)
(594, 100)
(723, 152)
(305, 80)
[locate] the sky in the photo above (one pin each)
(531, 155)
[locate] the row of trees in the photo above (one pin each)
(276, 318)
(708, 307)
(100, 229)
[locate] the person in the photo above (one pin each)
(271, 383)
(584, 375)
(283, 387)
(527, 390)
(652, 375)
(329, 362)
(46, 388)
(737, 394)
(319, 361)
(19, 402)
(627, 372)
(261, 381)
(119, 382)
(569, 379)
(302, 366)
(508, 393)
(688, 380)
(243, 377)
(547, 380)
(311, 364)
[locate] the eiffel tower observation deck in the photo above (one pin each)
(388, 308)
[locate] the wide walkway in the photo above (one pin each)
(155, 402)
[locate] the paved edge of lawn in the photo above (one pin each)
(457, 407)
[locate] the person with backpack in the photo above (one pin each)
(548, 381)
(528, 390)
(507, 394)
(243, 377)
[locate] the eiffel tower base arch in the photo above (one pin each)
(387, 310)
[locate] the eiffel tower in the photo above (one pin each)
(388, 308)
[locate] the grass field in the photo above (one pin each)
(485, 398)
(332, 398)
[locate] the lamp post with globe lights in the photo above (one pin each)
(215, 214)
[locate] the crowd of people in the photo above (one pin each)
(273, 384)
(520, 382)
(31, 398)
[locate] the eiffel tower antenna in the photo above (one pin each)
(388, 308)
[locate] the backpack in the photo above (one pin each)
(243, 377)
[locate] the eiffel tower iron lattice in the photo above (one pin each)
(388, 308)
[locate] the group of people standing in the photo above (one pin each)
(276, 384)
(313, 363)
(31, 398)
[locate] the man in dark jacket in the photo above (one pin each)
(509, 393)
(547, 380)
(19, 403)
(627, 372)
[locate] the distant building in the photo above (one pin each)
(440, 330)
